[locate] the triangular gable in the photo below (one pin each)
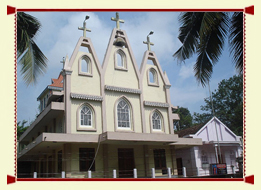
(150, 55)
(127, 45)
(205, 130)
(85, 42)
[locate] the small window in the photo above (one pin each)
(85, 66)
(156, 121)
(204, 158)
(86, 116)
(153, 77)
(86, 159)
(120, 60)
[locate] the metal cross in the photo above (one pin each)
(148, 42)
(118, 20)
(84, 27)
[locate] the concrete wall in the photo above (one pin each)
(134, 100)
(121, 78)
(85, 84)
(153, 93)
(75, 104)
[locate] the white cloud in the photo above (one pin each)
(186, 71)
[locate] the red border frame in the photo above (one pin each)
(13, 10)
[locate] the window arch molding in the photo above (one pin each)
(153, 79)
(85, 65)
(118, 110)
(90, 122)
(120, 60)
(156, 117)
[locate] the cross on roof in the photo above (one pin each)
(117, 20)
(148, 43)
(84, 27)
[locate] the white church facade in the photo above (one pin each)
(104, 117)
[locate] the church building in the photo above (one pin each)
(104, 117)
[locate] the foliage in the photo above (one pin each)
(227, 103)
(185, 118)
(204, 34)
(31, 58)
(21, 128)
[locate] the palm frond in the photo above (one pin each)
(213, 32)
(31, 58)
(236, 40)
(189, 35)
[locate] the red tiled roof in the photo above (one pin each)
(191, 130)
(58, 82)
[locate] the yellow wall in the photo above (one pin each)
(134, 99)
(153, 93)
(85, 84)
(75, 104)
(120, 78)
(148, 113)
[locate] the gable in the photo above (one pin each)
(119, 66)
(86, 69)
(154, 81)
(215, 129)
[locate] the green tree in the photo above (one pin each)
(204, 34)
(185, 118)
(31, 58)
(21, 128)
(227, 103)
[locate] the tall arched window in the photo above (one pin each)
(123, 114)
(86, 116)
(156, 121)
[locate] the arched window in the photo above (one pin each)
(85, 66)
(120, 60)
(123, 114)
(152, 77)
(156, 121)
(86, 116)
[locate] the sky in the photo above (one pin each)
(59, 35)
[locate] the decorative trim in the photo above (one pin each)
(86, 97)
(121, 89)
(156, 104)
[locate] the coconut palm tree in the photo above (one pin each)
(31, 58)
(204, 34)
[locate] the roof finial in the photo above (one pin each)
(84, 26)
(117, 20)
(148, 41)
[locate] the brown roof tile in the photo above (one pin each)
(58, 82)
(191, 130)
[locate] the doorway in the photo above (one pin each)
(126, 162)
(179, 166)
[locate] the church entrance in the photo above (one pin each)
(126, 162)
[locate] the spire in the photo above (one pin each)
(148, 41)
(117, 20)
(84, 26)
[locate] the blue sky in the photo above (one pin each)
(59, 35)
